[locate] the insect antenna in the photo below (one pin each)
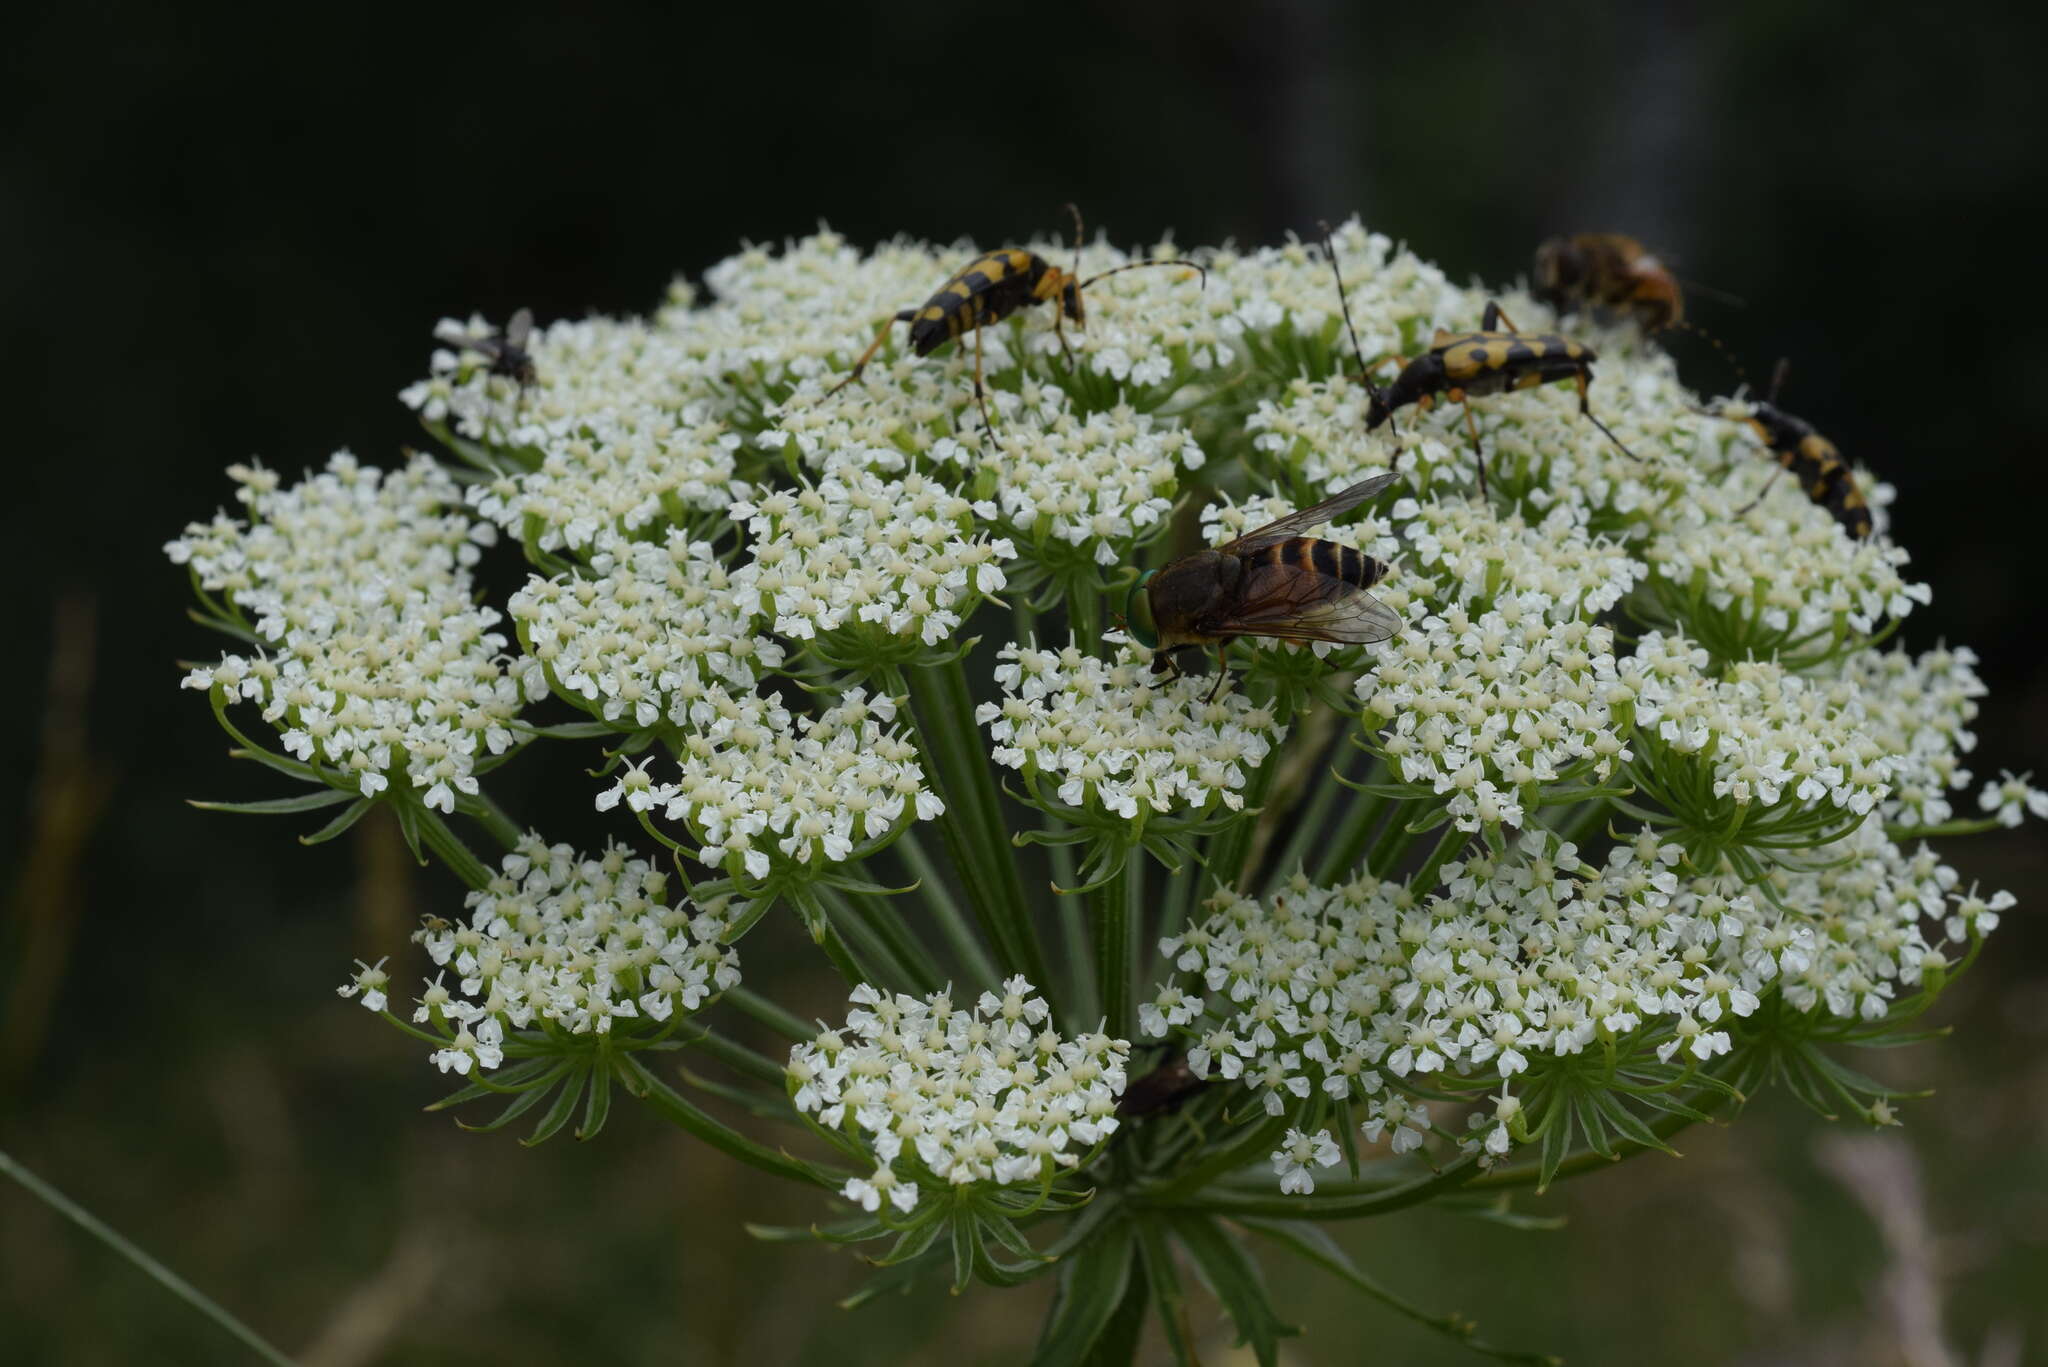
(1344, 303)
(1619, 443)
(1133, 265)
(1778, 373)
(1075, 210)
(1734, 364)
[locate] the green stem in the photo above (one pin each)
(896, 958)
(1115, 909)
(1084, 1003)
(664, 1098)
(493, 818)
(1447, 848)
(1224, 857)
(436, 836)
(1311, 827)
(976, 836)
(784, 1023)
(1459, 1174)
(163, 1276)
(960, 937)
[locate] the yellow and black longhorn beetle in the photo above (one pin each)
(989, 289)
(1460, 365)
(1811, 458)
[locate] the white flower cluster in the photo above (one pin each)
(1359, 991)
(1487, 710)
(1078, 487)
(623, 426)
(857, 555)
(376, 661)
(1782, 578)
(990, 1094)
(1315, 434)
(1463, 552)
(1918, 711)
(652, 628)
(1769, 734)
(761, 790)
(1109, 734)
(584, 944)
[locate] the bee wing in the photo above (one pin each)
(1294, 524)
(519, 329)
(1295, 604)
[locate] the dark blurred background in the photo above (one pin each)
(223, 237)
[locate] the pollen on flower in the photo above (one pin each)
(944, 1094)
(864, 565)
(565, 941)
(649, 630)
(761, 789)
(1111, 736)
(376, 662)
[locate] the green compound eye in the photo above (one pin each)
(1147, 639)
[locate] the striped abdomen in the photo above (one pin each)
(987, 290)
(1353, 567)
(1813, 460)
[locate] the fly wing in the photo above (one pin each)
(1291, 603)
(1294, 524)
(519, 329)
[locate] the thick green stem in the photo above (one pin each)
(436, 836)
(664, 1098)
(751, 1003)
(952, 922)
(1447, 848)
(1114, 906)
(884, 935)
(493, 818)
(976, 836)
(150, 1267)
(1224, 855)
(1458, 1174)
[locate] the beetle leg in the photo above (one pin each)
(1491, 320)
(1761, 492)
(873, 347)
(980, 397)
(1478, 451)
(1585, 410)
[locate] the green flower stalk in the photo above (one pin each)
(1625, 824)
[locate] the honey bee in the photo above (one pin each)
(1271, 581)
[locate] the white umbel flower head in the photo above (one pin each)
(867, 567)
(763, 792)
(570, 942)
(650, 629)
(377, 664)
(959, 1096)
(1112, 737)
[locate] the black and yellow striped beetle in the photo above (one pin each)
(1461, 365)
(989, 289)
(1812, 459)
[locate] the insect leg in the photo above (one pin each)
(979, 396)
(1472, 426)
(1763, 491)
(1222, 671)
(1581, 378)
(873, 347)
(1494, 318)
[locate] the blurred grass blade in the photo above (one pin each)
(170, 1280)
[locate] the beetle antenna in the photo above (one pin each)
(1075, 210)
(1686, 325)
(1344, 303)
(1778, 378)
(1133, 265)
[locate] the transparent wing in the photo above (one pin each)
(1294, 524)
(519, 329)
(1295, 604)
